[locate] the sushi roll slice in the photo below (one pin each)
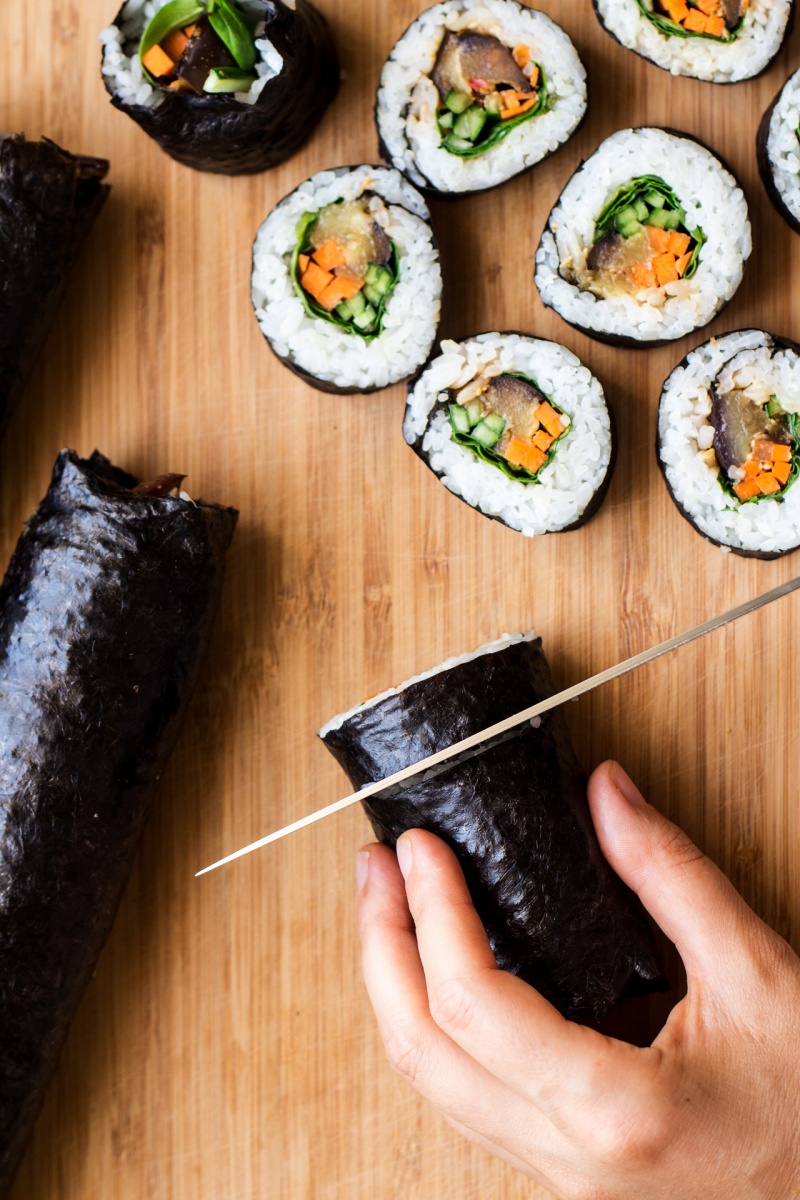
(476, 91)
(516, 427)
(778, 147)
(228, 86)
(346, 280)
(515, 813)
(729, 442)
(49, 200)
(721, 41)
(647, 242)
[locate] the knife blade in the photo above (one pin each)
(500, 728)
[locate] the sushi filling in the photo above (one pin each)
(508, 422)
(344, 266)
(719, 20)
(485, 90)
(201, 47)
(756, 444)
(640, 241)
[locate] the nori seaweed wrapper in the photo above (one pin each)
(48, 202)
(105, 612)
(221, 134)
(517, 817)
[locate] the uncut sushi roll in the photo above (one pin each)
(228, 86)
(647, 242)
(346, 281)
(516, 427)
(515, 813)
(49, 200)
(729, 442)
(778, 148)
(476, 91)
(721, 41)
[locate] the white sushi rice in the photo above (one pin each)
(712, 200)
(567, 485)
(746, 359)
(122, 69)
(407, 97)
(752, 50)
(501, 643)
(411, 315)
(783, 145)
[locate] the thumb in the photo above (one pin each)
(685, 893)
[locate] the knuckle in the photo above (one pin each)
(453, 1006)
(635, 1141)
(405, 1051)
(678, 848)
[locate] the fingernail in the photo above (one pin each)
(625, 784)
(362, 868)
(403, 849)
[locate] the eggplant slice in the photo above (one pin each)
(48, 203)
(516, 816)
(105, 613)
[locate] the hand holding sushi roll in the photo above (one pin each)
(711, 1109)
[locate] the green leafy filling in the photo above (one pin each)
(227, 20)
(494, 459)
(670, 28)
(633, 194)
(793, 421)
(495, 127)
(315, 310)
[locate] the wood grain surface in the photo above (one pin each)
(226, 1047)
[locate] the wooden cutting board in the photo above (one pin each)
(226, 1047)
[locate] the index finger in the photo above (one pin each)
(500, 1021)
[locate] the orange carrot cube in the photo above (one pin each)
(709, 7)
(527, 104)
(189, 29)
(665, 269)
(521, 452)
(341, 287)
(174, 44)
(751, 467)
(543, 440)
(746, 489)
(510, 104)
(643, 275)
(767, 484)
(315, 280)
(329, 255)
(695, 21)
(716, 27)
(302, 261)
(781, 453)
(678, 10)
(678, 243)
(682, 264)
(522, 55)
(533, 78)
(762, 451)
(157, 62)
(782, 471)
(659, 239)
(546, 415)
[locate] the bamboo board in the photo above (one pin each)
(226, 1047)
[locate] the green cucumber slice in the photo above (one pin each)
(474, 411)
(470, 123)
(457, 101)
(228, 79)
(458, 418)
(485, 435)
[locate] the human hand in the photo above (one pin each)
(710, 1110)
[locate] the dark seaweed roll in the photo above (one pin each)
(778, 146)
(647, 242)
(515, 813)
(729, 442)
(476, 91)
(346, 281)
(229, 86)
(515, 426)
(721, 41)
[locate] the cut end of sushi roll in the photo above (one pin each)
(516, 427)
(778, 147)
(647, 242)
(721, 41)
(476, 91)
(561, 920)
(227, 86)
(729, 442)
(346, 280)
